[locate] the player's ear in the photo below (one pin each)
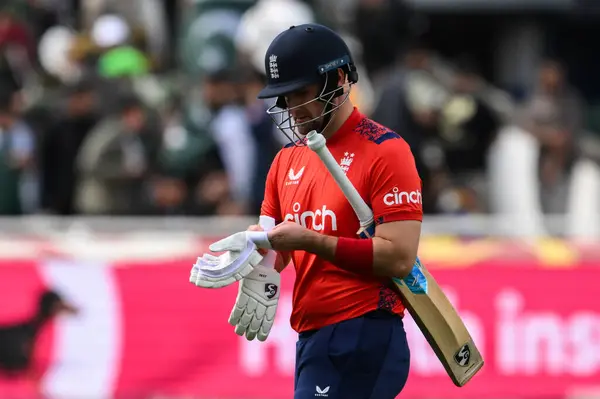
(341, 76)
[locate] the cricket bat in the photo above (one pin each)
(433, 313)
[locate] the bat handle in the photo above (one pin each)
(317, 143)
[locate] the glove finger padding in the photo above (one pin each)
(215, 272)
(211, 260)
(238, 308)
(265, 329)
(268, 320)
(254, 311)
(253, 328)
(260, 311)
(256, 323)
(240, 330)
(248, 314)
(256, 317)
(196, 267)
(238, 260)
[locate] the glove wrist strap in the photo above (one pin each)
(260, 238)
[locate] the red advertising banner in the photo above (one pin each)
(144, 330)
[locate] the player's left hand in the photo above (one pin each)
(289, 236)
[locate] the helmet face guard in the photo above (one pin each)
(282, 115)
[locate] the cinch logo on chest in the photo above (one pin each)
(317, 220)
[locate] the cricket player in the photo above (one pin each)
(351, 338)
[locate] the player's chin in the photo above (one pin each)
(302, 131)
(306, 129)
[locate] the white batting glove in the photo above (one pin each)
(254, 311)
(238, 261)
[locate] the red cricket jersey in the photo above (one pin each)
(299, 188)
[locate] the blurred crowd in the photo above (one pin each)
(145, 108)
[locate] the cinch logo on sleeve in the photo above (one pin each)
(397, 197)
(317, 220)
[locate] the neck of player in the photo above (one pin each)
(339, 117)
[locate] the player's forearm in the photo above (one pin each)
(390, 260)
(323, 246)
(387, 259)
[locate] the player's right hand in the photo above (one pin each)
(254, 311)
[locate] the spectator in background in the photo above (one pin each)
(230, 129)
(148, 18)
(118, 57)
(191, 179)
(17, 151)
(169, 190)
(383, 27)
(410, 104)
(60, 146)
(553, 115)
(17, 48)
(116, 161)
(468, 127)
(42, 15)
(469, 79)
(9, 77)
(267, 139)
(169, 194)
(413, 95)
(15, 33)
(64, 55)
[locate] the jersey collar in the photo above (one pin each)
(347, 127)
